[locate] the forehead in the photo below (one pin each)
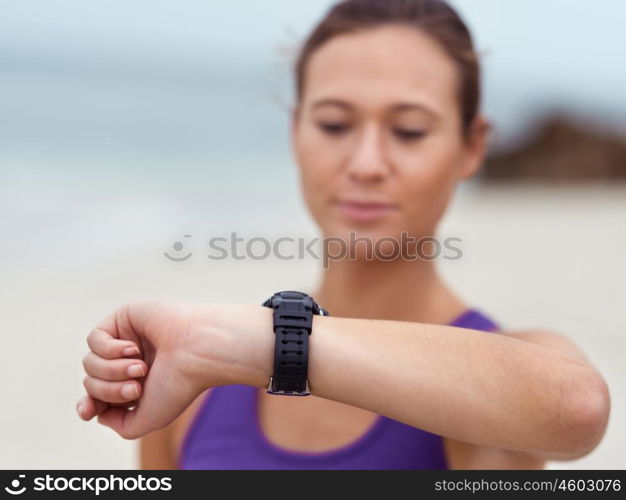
(383, 65)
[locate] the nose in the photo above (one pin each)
(368, 162)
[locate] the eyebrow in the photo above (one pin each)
(401, 106)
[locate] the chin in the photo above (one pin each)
(364, 242)
(355, 231)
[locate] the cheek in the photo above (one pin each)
(316, 169)
(429, 180)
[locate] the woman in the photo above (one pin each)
(404, 373)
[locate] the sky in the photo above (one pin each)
(87, 76)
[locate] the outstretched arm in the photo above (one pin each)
(488, 389)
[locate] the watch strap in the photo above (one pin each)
(292, 320)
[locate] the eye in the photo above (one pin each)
(409, 135)
(333, 128)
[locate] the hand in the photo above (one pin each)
(180, 350)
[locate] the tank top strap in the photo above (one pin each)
(475, 319)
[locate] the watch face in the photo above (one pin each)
(276, 299)
(293, 295)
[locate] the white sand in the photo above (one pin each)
(534, 257)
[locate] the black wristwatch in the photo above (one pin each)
(293, 320)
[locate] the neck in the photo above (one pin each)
(397, 290)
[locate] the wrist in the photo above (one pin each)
(230, 344)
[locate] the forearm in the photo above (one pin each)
(468, 385)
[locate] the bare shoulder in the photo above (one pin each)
(154, 450)
(463, 456)
(160, 449)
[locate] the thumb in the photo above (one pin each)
(164, 397)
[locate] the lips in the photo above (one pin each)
(365, 210)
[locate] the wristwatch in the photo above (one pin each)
(293, 320)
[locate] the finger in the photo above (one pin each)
(112, 392)
(151, 413)
(87, 407)
(127, 422)
(114, 418)
(108, 347)
(113, 369)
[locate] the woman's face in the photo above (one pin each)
(377, 134)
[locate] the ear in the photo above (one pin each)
(294, 120)
(294, 125)
(475, 149)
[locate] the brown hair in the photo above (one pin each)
(433, 17)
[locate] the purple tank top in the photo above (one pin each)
(226, 434)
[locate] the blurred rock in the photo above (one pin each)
(562, 150)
